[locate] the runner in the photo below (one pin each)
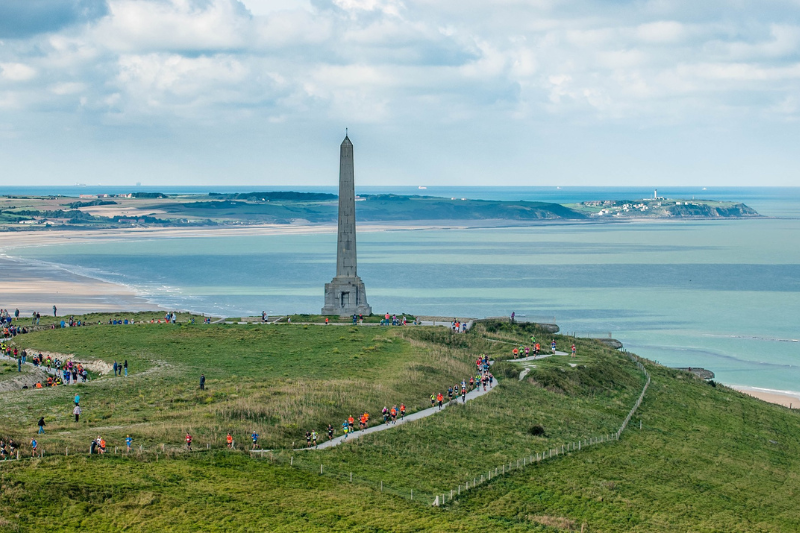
(385, 413)
(393, 413)
(188, 442)
(345, 428)
(254, 436)
(553, 346)
(314, 438)
(350, 422)
(34, 444)
(471, 383)
(128, 443)
(433, 400)
(229, 441)
(440, 399)
(515, 352)
(330, 432)
(463, 395)
(449, 393)
(573, 349)
(402, 411)
(308, 439)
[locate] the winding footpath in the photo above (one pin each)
(477, 393)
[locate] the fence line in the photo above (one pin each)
(536, 457)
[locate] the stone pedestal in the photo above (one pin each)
(345, 296)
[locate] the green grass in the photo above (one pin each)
(707, 458)
(280, 380)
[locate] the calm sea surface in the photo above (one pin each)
(724, 295)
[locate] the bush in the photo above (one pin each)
(536, 431)
(506, 370)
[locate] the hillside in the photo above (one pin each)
(215, 209)
(706, 458)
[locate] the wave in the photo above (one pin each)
(751, 337)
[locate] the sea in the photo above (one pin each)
(718, 294)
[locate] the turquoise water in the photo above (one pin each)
(718, 294)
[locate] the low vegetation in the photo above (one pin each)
(705, 458)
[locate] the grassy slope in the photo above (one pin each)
(703, 461)
(707, 459)
(279, 380)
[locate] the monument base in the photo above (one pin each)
(345, 296)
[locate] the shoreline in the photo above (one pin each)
(37, 286)
(790, 399)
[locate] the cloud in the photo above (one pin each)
(516, 65)
(24, 18)
(16, 72)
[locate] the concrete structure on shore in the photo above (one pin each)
(345, 294)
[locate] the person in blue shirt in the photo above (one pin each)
(254, 436)
(128, 442)
(77, 399)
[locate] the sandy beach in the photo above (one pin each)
(784, 398)
(35, 287)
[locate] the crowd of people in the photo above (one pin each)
(7, 323)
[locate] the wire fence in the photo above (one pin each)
(535, 458)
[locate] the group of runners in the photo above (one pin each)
(389, 415)
(456, 326)
(535, 347)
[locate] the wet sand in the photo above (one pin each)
(33, 287)
(785, 399)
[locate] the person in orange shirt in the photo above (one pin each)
(350, 421)
(393, 413)
(515, 351)
(440, 399)
(229, 440)
(38, 384)
(102, 445)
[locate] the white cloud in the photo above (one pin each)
(663, 31)
(513, 63)
(16, 72)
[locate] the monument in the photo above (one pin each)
(345, 294)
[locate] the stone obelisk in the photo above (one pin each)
(345, 294)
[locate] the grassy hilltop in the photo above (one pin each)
(706, 459)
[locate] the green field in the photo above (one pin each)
(706, 459)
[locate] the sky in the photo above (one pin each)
(434, 92)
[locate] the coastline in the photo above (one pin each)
(789, 399)
(38, 285)
(31, 286)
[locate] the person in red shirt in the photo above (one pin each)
(440, 399)
(188, 442)
(229, 440)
